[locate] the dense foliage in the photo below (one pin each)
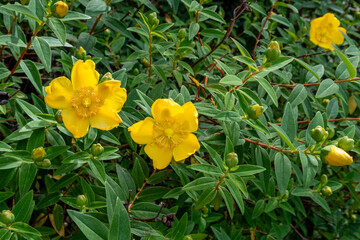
(179, 119)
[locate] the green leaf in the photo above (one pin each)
(215, 156)
(283, 135)
(33, 74)
(247, 60)
(278, 63)
(317, 121)
(43, 51)
(9, 162)
(205, 168)
(23, 10)
(268, 88)
(24, 208)
(91, 227)
(231, 80)
(308, 67)
(193, 29)
(327, 88)
(24, 228)
(212, 15)
(179, 231)
(58, 27)
(321, 201)
(351, 69)
(289, 123)
(297, 95)
(27, 173)
(228, 201)
(258, 209)
(241, 48)
(200, 183)
(282, 171)
(120, 224)
(98, 169)
(206, 197)
(235, 192)
(248, 170)
(70, 16)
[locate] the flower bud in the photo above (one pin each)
(46, 163)
(136, 71)
(107, 33)
(4, 98)
(353, 218)
(153, 20)
(255, 111)
(81, 200)
(318, 133)
(346, 143)
(97, 149)
(331, 132)
(335, 156)
(285, 197)
(38, 154)
(58, 116)
(59, 9)
(80, 53)
(7, 217)
(182, 34)
(107, 76)
(326, 191)
(324, 179)
(273, 51)
(231, 160)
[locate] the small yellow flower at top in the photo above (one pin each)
(84, 102)
(168, 133)
(325, 30)
(60, 9)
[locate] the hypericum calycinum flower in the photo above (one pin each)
(83, 103)
(325, 30)
(169, 133)
(38, 154)
(60, 9)
(335, 156)
(273, 51)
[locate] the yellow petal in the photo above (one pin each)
(59, 93)
(189, 117)
(330, 18)
(84, 74)
(337, 37)
(326, 45)
(186, 148)
(165, 109)
(143, 132)
(161, 156)
(111, 94)
(105, 119)
(76, 125)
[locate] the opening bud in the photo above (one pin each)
(231, 160)
(38, 154)
(346, 143)
(182, 34)
(82, 200)
(335, 156)
(153, 20)
(255, 111)
(46, 163)
(97, 149)
(58, 116)
(59, 9)
(273, 51)
(7, 217)
(80, 53)
(318, 133)
(107, 76)
(145, 62)
(326, 191)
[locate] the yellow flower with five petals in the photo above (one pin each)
(168, 134)
(325, 30)
(84, 102)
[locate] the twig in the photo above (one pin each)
(297, 231)
(329, 120)
(312, 54)
(270, 146)
(262, 28)
(236, 15)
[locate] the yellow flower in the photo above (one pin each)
(325, 30)
(169, 133)
(60, 9)
(84, 102)
(335, 156)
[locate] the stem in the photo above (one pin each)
(270, 146)
(312, 54)
(113, 56)
(329, 120)
(98, 19)
(262, 28)
(25, 50)
(150, 54)
(174, 61)
(137, 194)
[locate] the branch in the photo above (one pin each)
(314, 84)
(329, 120)
(262, 28)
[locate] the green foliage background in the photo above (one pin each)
(273, 194)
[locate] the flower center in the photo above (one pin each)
(168, 134)
(86, 102)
